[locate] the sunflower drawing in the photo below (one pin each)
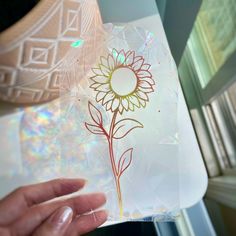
(121, 82)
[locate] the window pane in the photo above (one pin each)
(232, 97)
(224, 110)
(213, 38)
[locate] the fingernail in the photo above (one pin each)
(62, 217)
(102, 215)
(106, 213)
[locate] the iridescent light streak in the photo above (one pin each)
(38, 132)
(120, 58)
(77, 43)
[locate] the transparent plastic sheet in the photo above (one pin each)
(119, 96)
(54, 141)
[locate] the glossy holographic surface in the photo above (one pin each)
(77, 43)
(54, 141)
(138, 139)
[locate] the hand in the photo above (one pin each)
(28, 211)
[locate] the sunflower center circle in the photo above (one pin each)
(123, 81)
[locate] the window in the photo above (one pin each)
(209, 61)
(208, 76)
(222, 116)
(213, 39)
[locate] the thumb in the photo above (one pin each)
(57, 223)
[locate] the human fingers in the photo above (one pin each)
(15, 204)
(56, 224)
(86, 223)
(37, 214)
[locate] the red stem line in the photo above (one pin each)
(110, 141)
(113, 163)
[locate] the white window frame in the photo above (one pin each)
(222, 181)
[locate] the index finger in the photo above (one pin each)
(16, 203)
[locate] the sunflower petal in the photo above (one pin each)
(111, 62)
(115, 104)
(101, 79)
(106, 71)
(149, 80)
(114, 54)
(129, 58)
(97, 71)
(109, 96)
(137, 58)
(133, 99)
(103, 88)
(145, 87)
(131, 106)
(108, 105)
(144, 84)
(145, 67)
(100, 96)
(104, 62)
(121, 109)
(142, 95)
(144, 73)
(94, 85)
(137, 64)
(120, 59)
(142, 102)
(125, 103)
(146, 90)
